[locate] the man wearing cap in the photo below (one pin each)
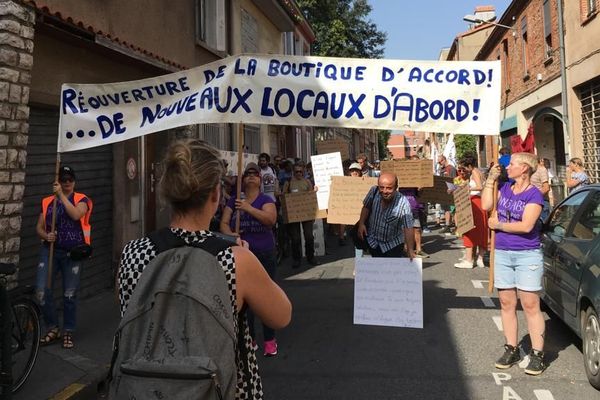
(298, 184)
(72, 230)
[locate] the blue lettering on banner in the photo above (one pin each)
(210, 75)
(306, 69)
(249, 69)
(432, 75)
(208, 99)
(109, 125)
(334, 105)
(420, 110)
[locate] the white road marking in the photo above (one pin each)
(500, 376)
(543, 394)
(498, 321)
(509, 394)
(487, 302)
(477, 284)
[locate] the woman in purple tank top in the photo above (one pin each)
(518, 257)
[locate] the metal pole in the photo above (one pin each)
(563, 78)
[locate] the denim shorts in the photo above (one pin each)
(522, 269)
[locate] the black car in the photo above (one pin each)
(571, 243)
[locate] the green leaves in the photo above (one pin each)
(342, 28)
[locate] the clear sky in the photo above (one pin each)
(419, 29)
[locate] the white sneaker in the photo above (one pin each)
(464, 264)
(480, 263)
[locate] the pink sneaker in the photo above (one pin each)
(270, 348)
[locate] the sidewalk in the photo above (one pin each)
(74, 374)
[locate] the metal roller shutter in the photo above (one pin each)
(93, 168)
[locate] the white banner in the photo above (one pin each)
(432, 96)
(325, 166)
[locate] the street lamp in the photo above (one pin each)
(475, 20)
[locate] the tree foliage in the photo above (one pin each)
(342, 28)
(382, 141)
(465, 145)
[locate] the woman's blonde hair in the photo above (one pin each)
(528, 159)
(577, 161)
(192, 169)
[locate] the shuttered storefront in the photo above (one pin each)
(93, 169)
(590, 128)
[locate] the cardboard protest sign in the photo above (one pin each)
(438, 194)
(324, 167)
(346, 198)
(332, 146)
(464, 211)
(410, 173)
(388, 292)
(298, 207)
(430, 96)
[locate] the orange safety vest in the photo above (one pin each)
(84, 221)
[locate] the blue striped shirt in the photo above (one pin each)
(385, 228)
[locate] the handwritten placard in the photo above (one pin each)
(410, 173)
(298, 207)
(324, 167)
(231, 157)
(334, 145)
(438, 194)
(464, 211)
(346, 198)
(388, 292)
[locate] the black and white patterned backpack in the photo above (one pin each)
(177, 339)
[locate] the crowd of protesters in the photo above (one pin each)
(204, 197)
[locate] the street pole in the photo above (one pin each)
(563, 78)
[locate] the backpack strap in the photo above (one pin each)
(164, 239)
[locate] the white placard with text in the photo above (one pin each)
(325, 166)
(388, 292)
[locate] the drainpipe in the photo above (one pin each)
(563, 78)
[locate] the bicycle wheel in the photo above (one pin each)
(25, 340)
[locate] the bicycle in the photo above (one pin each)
(19, 335)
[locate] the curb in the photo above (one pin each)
(84, 388)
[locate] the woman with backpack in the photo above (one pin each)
(191, 183)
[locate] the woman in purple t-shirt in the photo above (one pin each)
(257, 217)
(518, 257)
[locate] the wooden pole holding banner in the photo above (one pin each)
(240, 171)
(53, 226)
(493, 236)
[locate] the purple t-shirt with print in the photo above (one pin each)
(69, 230)
(259, 237)
(510, 209)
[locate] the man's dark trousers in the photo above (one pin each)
(309, 240)
(394, 252)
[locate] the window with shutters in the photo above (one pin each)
(525, 45)
(589, 9)
(547, 12)
(215, 134)
(590, 128)
(252, 138)
(211, 25)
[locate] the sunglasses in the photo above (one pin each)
(252, 173)
(65, 180)
(298, 172)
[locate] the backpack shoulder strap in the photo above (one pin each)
(165, 240)
(214, 245)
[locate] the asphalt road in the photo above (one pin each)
(322, 355)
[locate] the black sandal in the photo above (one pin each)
(68, 340)
(51, 336)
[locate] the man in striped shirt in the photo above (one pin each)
(390, 220)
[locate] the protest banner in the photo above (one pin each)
(332, 146)
(464, 211)
(451, 97)
(438, 194)
(346, 198)
(325, 166)
(298, 207)
(410, 173)
(388, 292)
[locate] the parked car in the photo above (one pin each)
(571, 244)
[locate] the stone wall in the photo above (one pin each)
(16, 59)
